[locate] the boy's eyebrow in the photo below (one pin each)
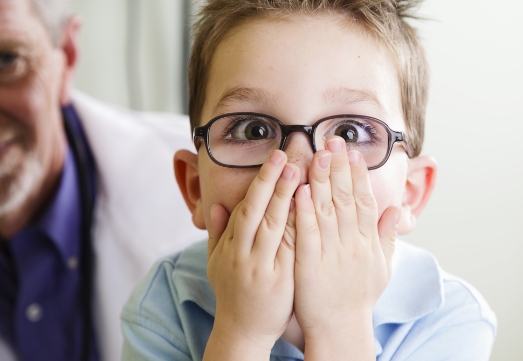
(345, 95)
(244, 94)
(338, 95)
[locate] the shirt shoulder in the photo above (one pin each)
(417, 273)
(172, 280)
(459, 294)
(157, 319)
(426, 311)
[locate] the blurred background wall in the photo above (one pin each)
(135, 51)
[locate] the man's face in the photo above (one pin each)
(32, 140)
(301, 70)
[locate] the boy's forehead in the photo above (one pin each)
(334, 96)
(319, 63)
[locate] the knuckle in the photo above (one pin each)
(290, 232)
(247, 210)
(280, 192)
(254, 274)
(287, 241)
(270, 222)
(366, 201)
(311, 230)
(359, 252)
(344, 199)
(264, 176)
(323, 179)
(328, 208)
(338, 165)
(310, 212)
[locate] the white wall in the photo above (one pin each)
(474, 223)
(137, 63)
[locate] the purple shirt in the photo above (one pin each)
(41, 314)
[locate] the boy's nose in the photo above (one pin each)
(299, 151)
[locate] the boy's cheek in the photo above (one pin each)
(388, 185)
(225, 186)
(386, 200)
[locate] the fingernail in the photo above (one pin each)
(307, 191)
(335, 145)
(288, 172)
(354, 158)
(293, 205)
(276, 158)
(325, 161)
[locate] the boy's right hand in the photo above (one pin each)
(251, 265)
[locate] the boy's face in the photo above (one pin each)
(299, 70)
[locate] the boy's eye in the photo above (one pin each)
(251, 129)
(350, 133)
(355, 132)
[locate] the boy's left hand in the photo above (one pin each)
(343, 254)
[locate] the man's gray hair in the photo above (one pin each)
(54, 15)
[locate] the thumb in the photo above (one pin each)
(388, 230)
(219, 219)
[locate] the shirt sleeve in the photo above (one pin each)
(470, 341)
(151, 324)
(462, 329)
(142, 343)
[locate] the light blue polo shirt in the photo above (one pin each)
(425, 314)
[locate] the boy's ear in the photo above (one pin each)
(188, 178)
(421, 179)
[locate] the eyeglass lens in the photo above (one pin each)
(247, 140)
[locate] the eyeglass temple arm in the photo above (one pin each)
(402, 137)
(199, 132)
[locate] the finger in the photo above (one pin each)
(219, 220)
(254, 205)
(319, 179)
(388, 230)
(308, 241)
(366, 208)
(290, 228)
(272, 226)
(341, 186)
(286, 255)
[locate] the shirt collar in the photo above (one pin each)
(61, 221)
(414, 291)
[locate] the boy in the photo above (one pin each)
(308, 122)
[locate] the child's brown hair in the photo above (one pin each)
(384, 19)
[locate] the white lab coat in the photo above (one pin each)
(140, 214)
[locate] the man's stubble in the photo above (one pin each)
(18, 180)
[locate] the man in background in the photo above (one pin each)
(86, 196)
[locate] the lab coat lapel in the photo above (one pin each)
(140, 214)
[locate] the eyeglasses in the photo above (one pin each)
(246, 140)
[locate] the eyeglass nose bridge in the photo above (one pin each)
(307, 129)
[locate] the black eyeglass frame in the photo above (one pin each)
(310, 130)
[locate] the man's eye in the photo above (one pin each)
(7, 59)
(12, 67)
